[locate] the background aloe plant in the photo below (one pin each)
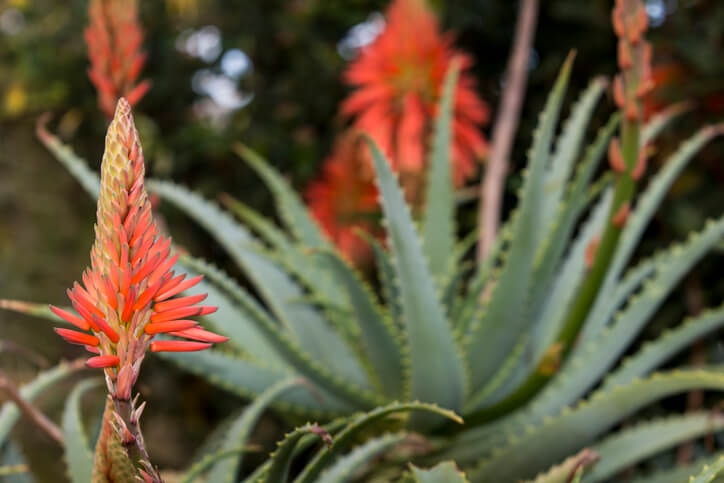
(448, 333)
(434, 338)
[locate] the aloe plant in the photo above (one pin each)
(515, 344)
(434, 338)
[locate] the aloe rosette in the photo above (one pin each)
(461, 335)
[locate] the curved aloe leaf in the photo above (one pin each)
(492, 338)
(654, 353)
(240, 430)
(379, 335)
(292, 210)
(631, 445)
(306, 327)
(76, 166)
(537, 447)
(362, 422)
(568, 146)
(438, 228)
(679, 473)
(208, 461)
(78, 454)
(249, 379)
(281, 459)
(709, 472)
(436, 366)
(13, 467)
(343, 470)
(644, 210)
(445, 472)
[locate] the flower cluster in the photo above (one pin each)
(129, 294)
(630, 22)
(399, 81)
(344, 200)
(114, 39)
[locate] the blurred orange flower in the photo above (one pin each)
(114, 37)
(343, 199)
(399, 78)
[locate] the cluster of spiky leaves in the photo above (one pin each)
(435, 339)
(447, 333)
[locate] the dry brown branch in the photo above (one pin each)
(506, 124)
(30, 411)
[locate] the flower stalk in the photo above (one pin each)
(129, 295)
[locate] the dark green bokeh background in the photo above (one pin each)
(46, 219)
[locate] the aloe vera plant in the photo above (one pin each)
(515, 344)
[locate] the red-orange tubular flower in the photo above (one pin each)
(343, 199)
(399, 78)
(129, 294)
(114, 39)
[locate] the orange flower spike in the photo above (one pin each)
(117, 303)
(634, 57)
(398, 80)
(114, 38)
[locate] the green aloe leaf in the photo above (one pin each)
(644, 210)
(388, 281)
(76, 166)
(567, 149)
(591, 360)
(709, 472)
(633, 444)
(539, 446)
(305, 325)
(249, 379)
(343, 470)
(263, 226)
(445, 472)
(436, 366)
(13, 467)
(568, 211)
(656, 352)
(379, 335)
(357, 426)
(78, 454)
(438, 228)
(277, 470)
(560, 295)
(240, 430)
(492, 338)
(679, 473)
(291, 208)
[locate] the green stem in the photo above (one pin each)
(623, 193)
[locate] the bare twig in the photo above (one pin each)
(30, 411)
(506, 123)
(24, 352)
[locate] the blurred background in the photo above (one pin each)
(268, 73)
